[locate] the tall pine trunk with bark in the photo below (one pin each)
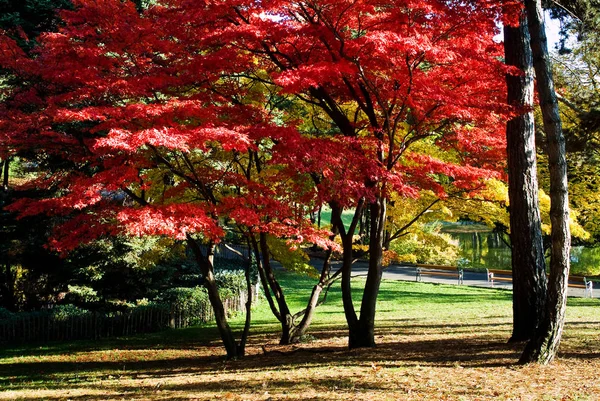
(528, 265)
(544, 345)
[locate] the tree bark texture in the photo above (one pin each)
(543, 347)
(528, 264)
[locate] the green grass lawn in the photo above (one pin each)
(435, 342)
(347, 216)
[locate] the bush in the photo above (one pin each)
(238, 266)
(231, 281)
(65, 312)
(191, 302)
(427, 246)
(182, 297)
(5, 314)
(82, 294)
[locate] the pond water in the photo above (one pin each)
(483, 248)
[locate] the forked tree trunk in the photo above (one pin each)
(544, 345)
(307, 315)
(283, 313)
(347, 259)
(291, 332)
(364, 333)
(528, 265)
(205, 262)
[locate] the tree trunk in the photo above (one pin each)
(205, 262)
(364, 335)
(347, 255)
(528, 265)
(285, 316)
(7, 291)
(263, 279)
(290, 331)
(544, 345)
(308, 314)
(248, 305)
(4, 170)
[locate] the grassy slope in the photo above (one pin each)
(435, 342)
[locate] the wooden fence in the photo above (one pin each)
(43, 327)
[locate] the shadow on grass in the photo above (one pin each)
(171, 338)
(444, 352)
(404, 342)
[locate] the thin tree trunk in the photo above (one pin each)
(528, 264)
(246, 331)
(263, 279)
(319, 216)
(544, 346)
(4, 169)
(347, 254)
(205, 262)
(286, 319)
(307, 315)
(7, 291)
(365, 334)
(290, 332)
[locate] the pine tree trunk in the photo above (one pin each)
(543, 347)
(528, 265)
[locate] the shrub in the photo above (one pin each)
(231, 281)
(67, 311)
(183, 297)
(5, 314)
(428, 245)
(82, 294)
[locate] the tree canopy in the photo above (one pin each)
(195, 120)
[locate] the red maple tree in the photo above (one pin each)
(158, 116)
(392, 81)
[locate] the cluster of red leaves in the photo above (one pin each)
(163, 104)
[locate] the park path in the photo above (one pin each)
(408, 273)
